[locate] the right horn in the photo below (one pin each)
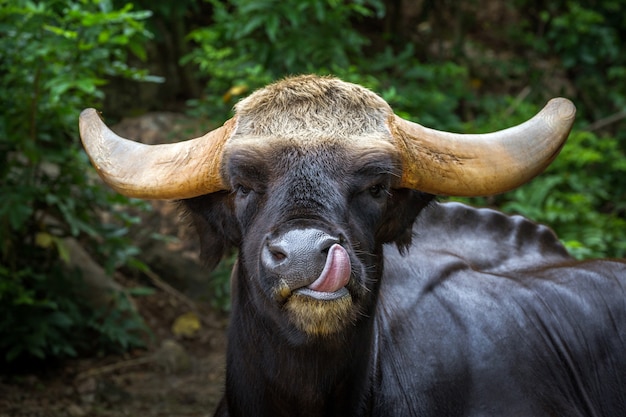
(455, 164)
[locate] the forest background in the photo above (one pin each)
(467, 66)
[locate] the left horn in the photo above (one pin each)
(481, 164)
(159, 172)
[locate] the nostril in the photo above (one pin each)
(274, 256)
(327, 242)
(276, 249)
(277, 254)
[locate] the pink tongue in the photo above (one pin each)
(336, 273)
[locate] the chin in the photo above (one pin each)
(321, 316)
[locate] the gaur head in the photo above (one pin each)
(309, 179)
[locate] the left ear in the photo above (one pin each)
(403, 207)
(213, 218)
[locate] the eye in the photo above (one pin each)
(243, 190)
(377, 190)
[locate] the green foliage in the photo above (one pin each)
(253, 42)
(294, 36)
(44, 314)
(55, 56)
(576, 196)
(570, 48)
(219, 284)
(581, 195)
(586, 36)
(428, 93)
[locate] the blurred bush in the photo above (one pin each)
(54, 58)
(253, 42)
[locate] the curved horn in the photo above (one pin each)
(160, 172)
(481, 164)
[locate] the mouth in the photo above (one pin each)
(331, 282)
(323, 295)
(324, 306)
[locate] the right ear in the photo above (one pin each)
(213, 218)
(403, 208)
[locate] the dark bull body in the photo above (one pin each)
(483, 315)
(480, 315)
(354, 293)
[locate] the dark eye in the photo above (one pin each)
(377, 190)
(243, 190)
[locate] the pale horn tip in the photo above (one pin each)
(88, 113)
(89, 119)
(561, 108)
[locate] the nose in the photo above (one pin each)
(298, 256)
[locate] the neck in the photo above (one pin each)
(269, 374)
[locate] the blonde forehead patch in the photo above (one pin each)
(312, 113)
(313, 126)
(312, 106)
(357, 143)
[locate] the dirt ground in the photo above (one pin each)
(181, 371)
(176, 376)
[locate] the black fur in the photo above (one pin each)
(212, 217)
(474, 313)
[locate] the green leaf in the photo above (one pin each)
(62, 249)
(44, 240)
(13, 353)
(68, 34)
(140, 291)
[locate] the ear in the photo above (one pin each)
(213, 218)
(402, 209)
